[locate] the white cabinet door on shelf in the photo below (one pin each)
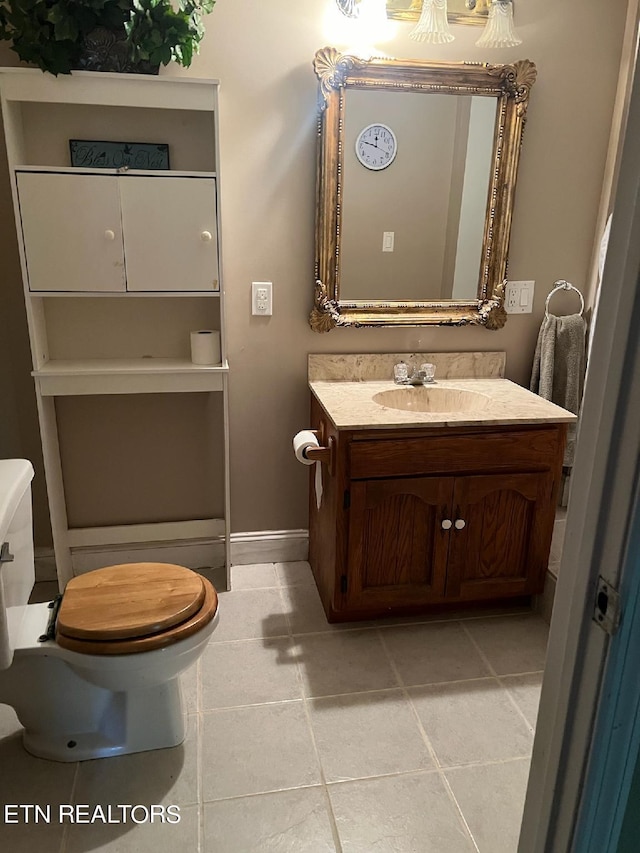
(170, 233)
(78, 230)
(72, 232)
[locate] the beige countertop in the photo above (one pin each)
(350, 405)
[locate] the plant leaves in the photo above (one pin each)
(49, 33)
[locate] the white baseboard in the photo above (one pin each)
(193, 555)
(265, 546)
(269, 546)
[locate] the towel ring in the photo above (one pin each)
(563, 285)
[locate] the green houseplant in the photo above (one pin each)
(111, 35)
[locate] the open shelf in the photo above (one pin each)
(147, 173)
(70, 377)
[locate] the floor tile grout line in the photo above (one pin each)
(372, 692)
(199, 780)
(64, 838)
(458, 808)
(476, 646)
(515, 704)
(337, 841)
(432, 752)
(497, 677)
(495, 763)
(338, 629)
(348, 626)
(396, 672)
(264, 793)
(258, 639)
(323, 780)
(420, 771)
(520, 674)
(199, 743)
(487, 677)
(423, 771)
(208, 711)
(441, 772)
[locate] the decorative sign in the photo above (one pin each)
(118, 155)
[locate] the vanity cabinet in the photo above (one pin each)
(119, 266)
(433, 519)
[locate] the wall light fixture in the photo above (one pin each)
(433, 24)
(433, 21)
(499, 30)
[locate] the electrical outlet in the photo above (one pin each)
(519, 297)
(261, 298)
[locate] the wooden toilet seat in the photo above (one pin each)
(132, 608)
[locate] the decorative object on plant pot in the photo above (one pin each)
(103, 35)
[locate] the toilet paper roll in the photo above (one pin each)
(301, 442)
(205, 347)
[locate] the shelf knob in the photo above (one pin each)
(446, 524)
(460, 523)
(206, 236)
(109, 234)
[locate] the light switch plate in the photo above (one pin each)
(388, 239)
(519, 297)
(262, 298)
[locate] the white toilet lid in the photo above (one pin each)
(128, 601)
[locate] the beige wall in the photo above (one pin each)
(262, 53)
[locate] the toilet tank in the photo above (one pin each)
(17, 576)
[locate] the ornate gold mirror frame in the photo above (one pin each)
(510, 85)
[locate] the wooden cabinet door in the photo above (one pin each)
(397, 552)
(71, 231)
(502, 548)
(170, 233)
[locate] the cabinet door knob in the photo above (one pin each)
(446, 524)
(206, 236)
(109, 234)
(460, 523)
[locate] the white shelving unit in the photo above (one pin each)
(119, 265)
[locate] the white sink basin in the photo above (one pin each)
(421, 399)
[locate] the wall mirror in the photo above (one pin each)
(417, 167)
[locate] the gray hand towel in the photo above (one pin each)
(559, 366)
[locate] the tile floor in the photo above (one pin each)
(306, 737)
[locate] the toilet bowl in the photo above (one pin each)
(106, 679)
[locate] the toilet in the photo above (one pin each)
(103, 679)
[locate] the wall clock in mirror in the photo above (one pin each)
(376, 146)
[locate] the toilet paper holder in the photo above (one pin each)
(326, 452)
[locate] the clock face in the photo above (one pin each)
(376, 146)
